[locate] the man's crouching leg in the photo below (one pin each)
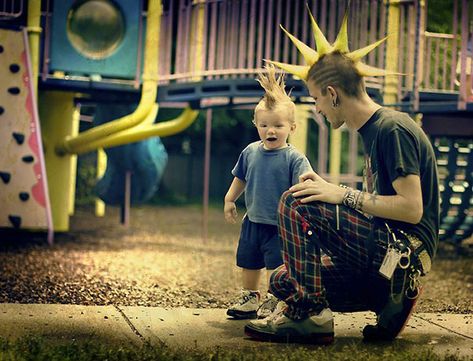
(306, 318)
(394, 316)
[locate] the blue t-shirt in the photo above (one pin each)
(268, 174)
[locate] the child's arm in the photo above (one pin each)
(229, 209)
(300, 167)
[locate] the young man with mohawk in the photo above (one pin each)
(379, 240)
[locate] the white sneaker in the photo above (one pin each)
(277, 313)
(316, 329)
(267, 306)
(246, 305)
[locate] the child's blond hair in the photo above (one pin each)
(275, 97)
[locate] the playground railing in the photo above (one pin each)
(235, 37)
(440, 61)
(10, 9)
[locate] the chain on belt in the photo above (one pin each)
(412, 257)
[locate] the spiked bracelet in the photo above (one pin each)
(352, 198)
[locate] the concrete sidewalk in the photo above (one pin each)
(208, 328)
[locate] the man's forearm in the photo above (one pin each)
(393, 207)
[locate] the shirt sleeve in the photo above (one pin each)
(239, 170)
(401, 154)
(301, 166)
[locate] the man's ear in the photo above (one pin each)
(333, 93)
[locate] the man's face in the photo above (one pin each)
(324, 105)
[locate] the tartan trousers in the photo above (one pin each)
(331, 258)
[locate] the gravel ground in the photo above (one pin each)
(161, 260)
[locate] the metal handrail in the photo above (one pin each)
(439, 63)
(10, 9)
(240, 34)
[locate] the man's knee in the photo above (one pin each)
(286, 201)
(287, 197)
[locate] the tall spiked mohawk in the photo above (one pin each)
(275, 96)
(340, 45)
(274, 87)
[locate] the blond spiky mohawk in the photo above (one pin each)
(324, 47)
(275, 96)
(274, 87)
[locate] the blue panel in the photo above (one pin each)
(121, 63)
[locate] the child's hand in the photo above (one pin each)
(230, 212)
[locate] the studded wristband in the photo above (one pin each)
(351, 198)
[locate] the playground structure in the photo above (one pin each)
(209, 54)
(22, 165)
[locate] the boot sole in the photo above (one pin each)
(411, 311)
(238, 315)
(385, 335)
(314, 339)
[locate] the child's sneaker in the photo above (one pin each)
(268, 306)
(246, 306)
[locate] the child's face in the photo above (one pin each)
(273, 128)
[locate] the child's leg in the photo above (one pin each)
(271, 249)
(269, 272)
(250, 279)
(247, 304)
(250, 260)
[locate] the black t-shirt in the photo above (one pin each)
(396, 146)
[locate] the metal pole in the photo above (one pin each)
(34, 31)
(463, 58)
(46, 42)
(353, 156)
(323, 139)
(415, 82)
(453, 74)
(335, 155)
(125, 209)
(139, 49)
(101, 168)
(208, 136)
(391, 83)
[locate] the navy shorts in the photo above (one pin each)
(259, 246)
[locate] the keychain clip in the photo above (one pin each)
(407, 257)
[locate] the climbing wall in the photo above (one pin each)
(24, 201)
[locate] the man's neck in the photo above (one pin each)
(360, 111)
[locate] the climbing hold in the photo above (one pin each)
(1, 49)
(14, 90)
(24, 196)
(15, 221)
(5, 177)
(28, 159)
(19, 137)
(2, 110)
(14, 68)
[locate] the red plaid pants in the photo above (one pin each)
(331, 258)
